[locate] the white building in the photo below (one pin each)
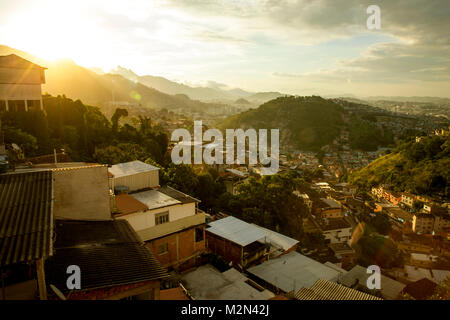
(133, 175)
(20, 84)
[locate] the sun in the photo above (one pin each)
(53, 31)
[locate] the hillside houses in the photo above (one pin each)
(166, 219)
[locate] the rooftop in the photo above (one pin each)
(293, 271)
(236, 230)
(244, 233)
(130, 168)
(26, 216)
(207, 283)
(390, 289)
(154, 199)
(127, 204)
(109, 253)
(331, 203)
(16, 62)
(327, 290)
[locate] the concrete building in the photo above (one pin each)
(168, 221)
(427, 223)
(132, 176)
(20, 84)
(245, 244)
(407, 199)
(328, 208)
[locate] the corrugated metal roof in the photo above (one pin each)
(236, 230)
(109, 253)
(244, 233)
(326, 290)
(26, 216)
(292, 271)
(277, 239)
(130, 168)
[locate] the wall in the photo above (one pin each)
(81, 193)
(182, 248)
(139, 181)
(226, 249)
(144, 220)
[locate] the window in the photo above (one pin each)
(162, 217)
(198, 234)
(163, 248)
(34, 104)
(2, 105)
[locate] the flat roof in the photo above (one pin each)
(177, 195)
(154, 199)
(293, 271)
(130, 168)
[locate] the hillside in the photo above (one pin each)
(312, 122)
(304, 122)
(417, 167)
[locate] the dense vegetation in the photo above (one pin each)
(305, 122)
(83, 132)
(309, 123)
(366, 135)
(417, 167)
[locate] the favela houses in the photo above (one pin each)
(222, 156)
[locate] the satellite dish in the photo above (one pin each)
(58, 292)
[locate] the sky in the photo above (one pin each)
(293, 46)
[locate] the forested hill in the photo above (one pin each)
(309, 123)
(417, 167)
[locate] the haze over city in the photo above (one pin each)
(295, 47)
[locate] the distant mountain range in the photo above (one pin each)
(65, 77)
(172, 87)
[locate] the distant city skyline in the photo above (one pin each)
(297, 47)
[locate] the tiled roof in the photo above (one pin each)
(327, 290)
(14, 61)
(26, 216)
(109, 253)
